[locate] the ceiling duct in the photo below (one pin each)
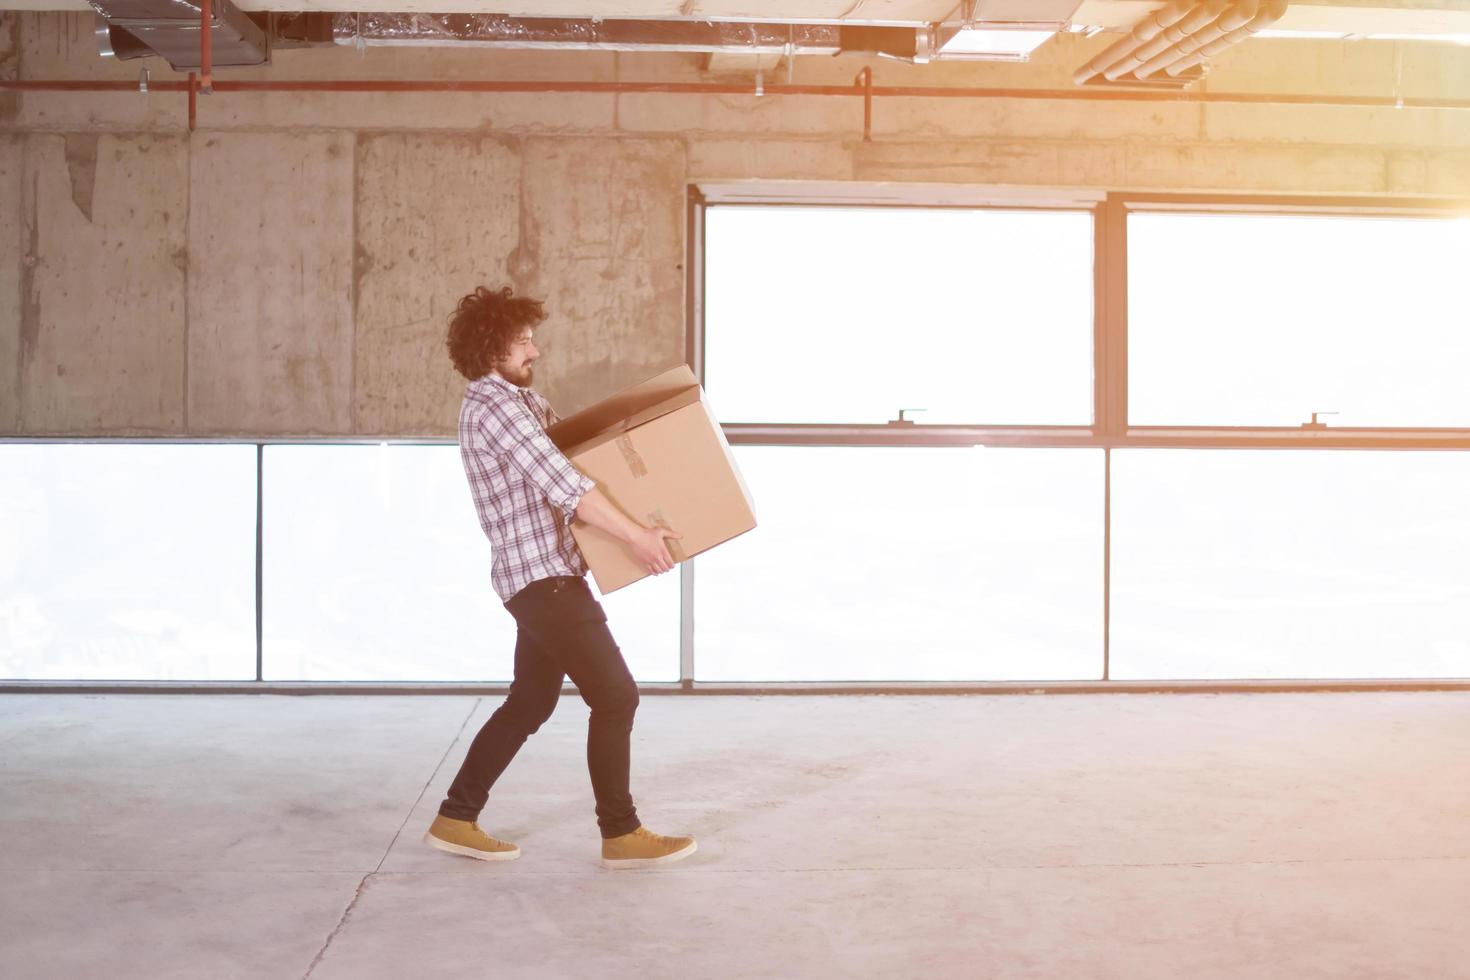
(1000, 30)
(170, 29)
(1176, 39)
(114, 42)
(494, 30)
(898, 43)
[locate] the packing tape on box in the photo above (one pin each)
(656, 518)
(635, 462)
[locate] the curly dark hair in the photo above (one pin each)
(483, 326)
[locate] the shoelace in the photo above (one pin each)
(487, 838)
(657, 838)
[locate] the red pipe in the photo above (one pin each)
(865, 80)
(702, 88)
(193, 89)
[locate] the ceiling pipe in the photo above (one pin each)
(1144, 31)
(1199, 16)
(1268, 15)
(1232, 19)
(1203, 13)
(712, 88)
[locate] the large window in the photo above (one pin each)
(1221, 563)
(1261, 320)
(846, 315)
(875, 562)
(1290, 564)
(908, 564)
(127, 562)
(1101, 474)
(376, 569)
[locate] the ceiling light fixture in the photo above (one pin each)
(1000, 30)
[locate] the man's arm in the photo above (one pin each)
(646, 543)
(510, 430)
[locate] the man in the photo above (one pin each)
(527, 495)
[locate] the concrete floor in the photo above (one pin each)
(1069, 836)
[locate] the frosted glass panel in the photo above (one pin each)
(376, 569)
(849, 314)
(1264, 319)
(908, 564)
(1290, 564)
(127, 562)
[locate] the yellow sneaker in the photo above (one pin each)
(465, 837)
(643, 848)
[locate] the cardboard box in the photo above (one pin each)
(656, 451)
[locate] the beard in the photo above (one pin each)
(522, 377)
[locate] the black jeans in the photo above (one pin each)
(561, 631)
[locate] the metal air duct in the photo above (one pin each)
(171, 29)
(496, 30)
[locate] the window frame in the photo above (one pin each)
(889, 433)
(1110, 428)
(1226, 436)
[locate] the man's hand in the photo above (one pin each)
(646, 543)
(649, 549)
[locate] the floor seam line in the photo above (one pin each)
(414, 805)
(362, 885)
(346, 914)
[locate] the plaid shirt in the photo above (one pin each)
(525, 490)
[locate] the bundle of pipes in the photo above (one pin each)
(1179, 36)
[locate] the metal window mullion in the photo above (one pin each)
(746, 689)
(1224, 437)
(259, 559)
(694, 283)
(1111, 295)
(1243, 437)
(1107, 564)
(1295, 204)
(748, 434)
(696, 208)
(686, 625)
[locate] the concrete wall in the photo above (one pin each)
(287, 268)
